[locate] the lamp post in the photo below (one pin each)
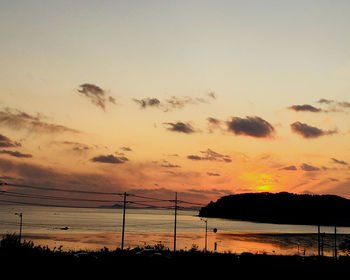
(20, 226)
(206, 234)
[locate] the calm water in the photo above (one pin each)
(144, 225)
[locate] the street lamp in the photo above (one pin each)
(20, 226)
(206, 234)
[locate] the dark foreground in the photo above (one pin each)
(43, 262)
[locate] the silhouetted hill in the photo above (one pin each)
(281, 208)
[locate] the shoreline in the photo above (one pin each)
(268, 243)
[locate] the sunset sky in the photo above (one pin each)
(204, 98)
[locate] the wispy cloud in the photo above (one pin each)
(5, 142)
(211, 155)
(213, 174)
(97, 95)
(110, 159)
(147, 102)
(182, 127)
(167, 164)
(16, 119)
(308, 131)
(289, 168)
(173, 102)
(333, 105)
(16, 154)
(339, 161)
(251, 126)
(305, 108)
(307, 167)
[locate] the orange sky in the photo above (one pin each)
(205, 100)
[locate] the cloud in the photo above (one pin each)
(110, 159)
(212, 94)
(16, 119)
(167, 164)
(325, 101)
(307, 167)
(335, 106)
(97, 95)
(305, 108)
(214, 124)
(181, 127)
(308, 131)
(211, 155)
(180, 102)
(126, 149)
(339, 161)
(15, 154)
(5, 142)
(251, 126)
(147, 102)
(174, 102)
(290, 168)
(213, 174)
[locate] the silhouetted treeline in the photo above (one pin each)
(281, 208)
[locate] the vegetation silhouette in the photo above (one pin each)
(24, 257)
(281, 208)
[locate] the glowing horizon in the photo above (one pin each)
(203, 98)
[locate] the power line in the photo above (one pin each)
(63, 190)
(44, 205)
(38, 196)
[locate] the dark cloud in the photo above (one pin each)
(15, 154)
(126, 149)
(307, 167)
(213, 174)
(110, 159)
(335, 106)
(214, 124)
(194, 157)
(17, 119)
(210, 155)
(305, 108)
(167, 164)
(290, 168)
(180, 127)
(251, 126)
(339, 161)
(212, 94)
(75, 146)
(173, 102)
(308, 131)
(179, 102)
(97, 95)
(325, 101)
(147, 102)
(5, 142)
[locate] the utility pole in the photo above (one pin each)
(335, 242)
(175, 222)
(123, 231)
(318, 240)
(20, 226)
(206, 236)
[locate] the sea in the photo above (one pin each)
(101, 228)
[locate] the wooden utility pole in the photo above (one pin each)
(335, 242)
(123, 230)
(318, 240)
(20, 226)
(175, 222)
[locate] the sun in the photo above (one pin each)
(261, 182)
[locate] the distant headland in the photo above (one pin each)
(281, 208)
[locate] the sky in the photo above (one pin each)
(203, 98)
